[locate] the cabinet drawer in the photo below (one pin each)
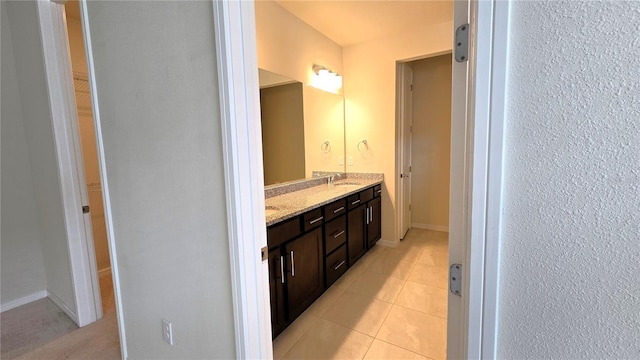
(366, 195)
(283, 232)
(377, 190)
(335, 233)
(313, 219)
(335, 209)
(336, 264)
(353, 201)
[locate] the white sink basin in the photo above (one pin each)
(270, 210)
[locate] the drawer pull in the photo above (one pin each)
(379, 191)
(355, 202)
(293, 266)
(315, 221)
(338, 209)
(342, 263)
(338, 234)
(282, 269)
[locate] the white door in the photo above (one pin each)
(405, 174)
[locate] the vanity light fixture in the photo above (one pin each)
(325, 79)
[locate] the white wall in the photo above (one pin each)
(22, 264)
(290, 47)
(27, 50)
(370, 103)
(157, 88)
(571, 232)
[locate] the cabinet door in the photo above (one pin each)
(355, 238)
(306, 272)
(276, 289)
(374, 225)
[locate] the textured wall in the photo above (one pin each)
(157, 89)
(571, 232)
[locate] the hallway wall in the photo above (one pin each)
(431, 143)
(34, 101)
(23, 275)
(157, 86)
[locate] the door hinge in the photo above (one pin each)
(411, 87)
(455, 279)
(85, 209)
(409, 207)
(462, 43)
(409, 168)
(264, 253)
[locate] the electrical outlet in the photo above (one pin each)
(340, 160)
(350, 160)
(167, 331)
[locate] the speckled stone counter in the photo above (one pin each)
(300, 199)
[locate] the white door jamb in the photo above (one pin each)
(242, 148)
(482, 192)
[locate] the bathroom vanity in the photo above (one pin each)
(315, 232)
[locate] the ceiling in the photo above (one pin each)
(355, 21)
(349, 22)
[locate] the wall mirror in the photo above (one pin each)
(302, 129)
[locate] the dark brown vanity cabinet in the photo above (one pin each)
(373, 221)
(309, 252)
(296, 269)
(364, 221)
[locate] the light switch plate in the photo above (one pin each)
(167, 331)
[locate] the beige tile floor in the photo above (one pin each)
(392, 304)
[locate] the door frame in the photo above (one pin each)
(401, 99)
(477, 139)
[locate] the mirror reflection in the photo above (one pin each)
(302, 129)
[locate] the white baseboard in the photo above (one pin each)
(104, 272)
(23, 300)
(387, 243)
(430, 227)
(59, 303)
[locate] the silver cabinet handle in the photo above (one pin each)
(293, 265)
(338, 234)
(379, 191)
(355, 202)
(371, 213)
(282, 269)
(315, 221)
(342, 263)
(338, 209)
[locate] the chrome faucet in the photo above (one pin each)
(331, 178)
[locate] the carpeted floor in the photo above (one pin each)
(32, 325)
(40, 330)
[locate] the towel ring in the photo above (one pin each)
(325, 147)
(366, 146)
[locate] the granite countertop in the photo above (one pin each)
(288, 205)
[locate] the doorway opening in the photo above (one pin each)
(91, 174)
(424, 151)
